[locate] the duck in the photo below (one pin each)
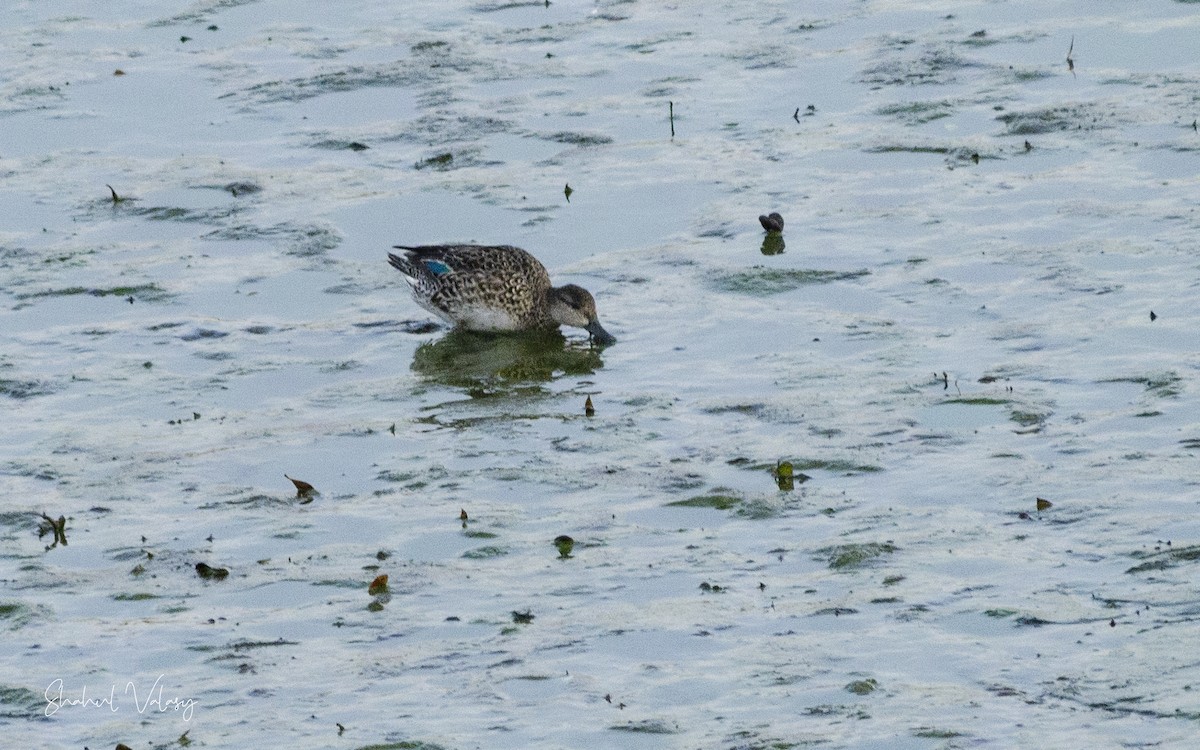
(494, 288)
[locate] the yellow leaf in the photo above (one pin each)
(379, 585)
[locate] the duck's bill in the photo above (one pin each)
(599, 335)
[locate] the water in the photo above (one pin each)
(957, 325)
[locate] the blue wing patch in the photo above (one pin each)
(436, 267)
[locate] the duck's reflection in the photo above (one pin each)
(464, 359)
(772, 244)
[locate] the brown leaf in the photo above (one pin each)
(379, 585)
(1044, 504)
(303, 489)
(588, 409)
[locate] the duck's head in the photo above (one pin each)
(573, 305)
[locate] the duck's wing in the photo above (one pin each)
(479, 261)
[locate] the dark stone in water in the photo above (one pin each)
(771, 222)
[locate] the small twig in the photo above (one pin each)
(1071, 60)
(671, 106)
(59, 528)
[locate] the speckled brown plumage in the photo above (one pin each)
(494, 288)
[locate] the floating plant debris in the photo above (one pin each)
(59, 528)
(209, 573)
(437, 161)
(845, 556)
(522, 618)
(784, 476)
(379, 585)
(564, 544)
(305, 491)
(719, 501)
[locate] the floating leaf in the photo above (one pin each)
(564, 544)
(567, 192)
(588, 409)
(1044, 504)
(379, 585)
(784, 476)
(304, 490)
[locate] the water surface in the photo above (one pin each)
(958, 322)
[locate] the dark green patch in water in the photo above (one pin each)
(760, 281)
(845, 556)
